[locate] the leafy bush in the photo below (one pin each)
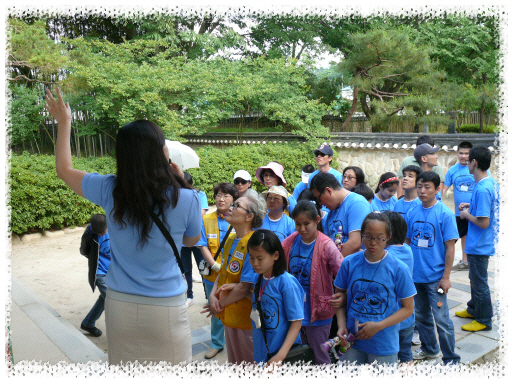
(40, 200)
(475, 128)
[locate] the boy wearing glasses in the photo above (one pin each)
(431, 234)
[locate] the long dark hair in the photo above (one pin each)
(143, 177)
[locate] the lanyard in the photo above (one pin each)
(262, 291)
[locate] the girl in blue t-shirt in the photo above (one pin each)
(374, 282)
(279, 297)
(385, 199)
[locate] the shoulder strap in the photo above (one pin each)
(169, 238)
(221, 246)
(257, 288)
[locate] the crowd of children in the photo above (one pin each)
(336, 259)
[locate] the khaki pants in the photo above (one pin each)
(147, 333)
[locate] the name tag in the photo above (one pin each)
(239, 255)
(464, 188)
(423, 243)
(211, 235)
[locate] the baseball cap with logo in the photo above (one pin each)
(325, 149)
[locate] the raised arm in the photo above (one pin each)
(63, 164)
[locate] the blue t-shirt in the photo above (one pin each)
(333, 172)
(281, 302)
(428, 230)
(283, 227)
(380, 206)
(223, 227)
(404, 253)
(203, 199)
(463, 183)
(485, 202)
(292, 202)
(151, 270)
(298, 189)
(402, 206)
(373, 292)
(104, 254)
(349, 215)
(301, 256)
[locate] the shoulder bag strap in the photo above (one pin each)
(223, 242)
(169, 238)
(258, 306)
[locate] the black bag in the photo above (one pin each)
(298, 353)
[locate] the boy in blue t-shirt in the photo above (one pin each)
(410, 197)
(482, 213)
(347, 211)
(95, 245)
(431, 234)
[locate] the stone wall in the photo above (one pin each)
(375, 162)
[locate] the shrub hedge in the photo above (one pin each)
(475, 128)
(39, 200)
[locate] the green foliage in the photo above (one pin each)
(40, 200)
(31, 52)
(220, 164)
(142, 79)
(26, 105)
(475, 128)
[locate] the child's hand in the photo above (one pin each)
(275, 362)
(369, 329)
(342, 334)
(338, 300)
(60, 111)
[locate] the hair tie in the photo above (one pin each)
(314, 202)
(262, 235)
(394, 178)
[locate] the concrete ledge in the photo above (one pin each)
(60, 334)
(30, 237)
(73, 230)
(58, 233)
(15, 239)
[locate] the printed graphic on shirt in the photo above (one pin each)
(300, 269)
(369, 297)
(423, 234)
(270, 310)
(464, 183)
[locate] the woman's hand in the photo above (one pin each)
(369, 329)
(60, 111)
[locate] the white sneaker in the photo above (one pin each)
(420, 354)
(196, 279)
(190, 302)
(416, 338)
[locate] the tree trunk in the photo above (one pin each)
(482, 116)
(352, 109)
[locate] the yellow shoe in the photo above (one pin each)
(463, 313)
(475, 326)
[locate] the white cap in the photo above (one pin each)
(242, 174)
(305, 177)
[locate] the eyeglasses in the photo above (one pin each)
(320, 154)
(274, 199)
(235, 206)
(223, 196)
(377, 239)
(348, 177)
(240, 181)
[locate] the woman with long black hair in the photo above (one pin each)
(145, 309)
